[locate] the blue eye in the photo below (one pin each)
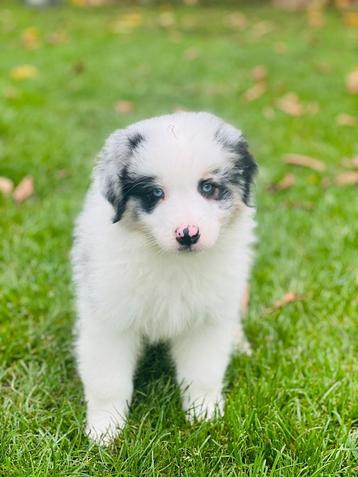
(207, 188)
(158, 193)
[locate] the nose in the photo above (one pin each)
(187, 235)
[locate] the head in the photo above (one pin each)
(179, 179)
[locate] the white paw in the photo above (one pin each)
(102, 427)
(204, 408)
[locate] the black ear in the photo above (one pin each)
(243, 167)
(112, 168)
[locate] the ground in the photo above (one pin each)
(292, 406)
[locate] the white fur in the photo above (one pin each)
(133, 284)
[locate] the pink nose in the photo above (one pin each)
(187, 235)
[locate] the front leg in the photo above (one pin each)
(201, 356)
(106, 364)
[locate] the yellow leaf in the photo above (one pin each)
(6, 185)
(352, 82)
(23, 72)
(255, 91)
(24, 190)
(31, 38)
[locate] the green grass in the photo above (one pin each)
(292, 407)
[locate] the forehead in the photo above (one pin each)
(176, 153)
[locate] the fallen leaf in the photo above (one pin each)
(285, 183)
(31, 38)
(280, 47)
(236, 20)
(304, 161)
(350, 18)
(191, 54)
(124, 107)
(315, 17)
(24, 189)
(245, 300)
(259, 73)
(352, 82)
(262, 28)
(78, 67)
(290, 104)
(23, 72)
(344, 119)
(347, 178)
(57, 37)
(166, 19)
(289, 297)
(255, 91)
(351, 162)
(127, 22)
(6, 185)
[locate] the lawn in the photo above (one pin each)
(292, 408)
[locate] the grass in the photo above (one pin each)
(292, 407)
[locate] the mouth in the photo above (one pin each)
(188, 249)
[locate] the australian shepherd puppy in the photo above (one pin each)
(162, 251)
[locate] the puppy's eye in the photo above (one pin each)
(158, 193)
(207, 189)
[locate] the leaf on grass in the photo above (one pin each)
(290, 104)
(245, 300)
(289, 297)
(280, 48)
(78, 67)
(262, 28)
(126, 23)
(191, 54)
(124, 107)
(268, 112)
(57, 37)
(236, 21)
(166, 19)
(31, 38)
(6, 185)
(23, 72)
(24, 189)
(315, 17)
(344, 119)
(285, 183)
(255, 92)
(352, 82)
(259, 73)
(347, 178)
(304, 161)
(351, 162)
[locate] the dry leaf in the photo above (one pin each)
(191, 54)
(127, 22)
(351, 162)
(285, 183)
(347, 178)
(344, 119)
(289, 297)
(236, 20)
(23, 72)
(262, 28)
(280, 47)
(290, 104)
(352, 82)
(255, 91)
(57, 37)
(258, 73)
(24, 189)
(166, 19)
(78, 67)
(6, 185)
(315, 17)
(245, 300)
(31, 38)
(268, 112)
(304, 161)
(124, 107)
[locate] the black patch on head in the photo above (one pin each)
(243, 168)
(138, 187)
(134, 141)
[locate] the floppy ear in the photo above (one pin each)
(243, 167)
(112, 168)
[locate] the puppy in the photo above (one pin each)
(162, 251)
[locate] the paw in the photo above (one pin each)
(102, 427)
(204, 408)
